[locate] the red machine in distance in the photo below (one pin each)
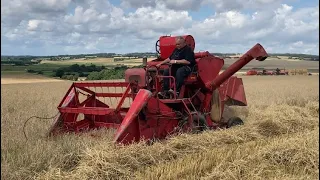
(277, 71)
(200, 104)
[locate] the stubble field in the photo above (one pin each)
(278, 141)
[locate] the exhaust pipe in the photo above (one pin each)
(144, 61)
(256, 52)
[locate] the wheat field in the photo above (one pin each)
(98, 61)
(22, 77)
(278, 141)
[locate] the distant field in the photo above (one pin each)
(22, 77)
(283, 63)
(97, 61)
(270, 63)
(48, 67)
(80, 61)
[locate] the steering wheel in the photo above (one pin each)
(158, 47)
(151, 79)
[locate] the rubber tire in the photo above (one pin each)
(234, 121)
(202, 122)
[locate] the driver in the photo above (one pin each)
(182, 60)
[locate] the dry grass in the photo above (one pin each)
(278, 141)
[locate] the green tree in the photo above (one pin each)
(59, 73)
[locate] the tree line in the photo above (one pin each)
(20, 59)
(76, 56)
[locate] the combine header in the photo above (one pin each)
(135, 110)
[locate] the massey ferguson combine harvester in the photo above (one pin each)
(200, 104)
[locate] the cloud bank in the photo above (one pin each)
(52, 27)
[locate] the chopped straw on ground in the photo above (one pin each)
(278, 141)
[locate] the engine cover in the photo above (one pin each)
(136, 74)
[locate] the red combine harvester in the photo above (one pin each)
(200, 104)
(265, 72)
(255, 72)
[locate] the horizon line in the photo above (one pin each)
(154, 53)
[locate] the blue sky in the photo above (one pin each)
(53, 27)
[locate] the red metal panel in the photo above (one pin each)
(168, 44)
(112, 95)
(86, 110)
(190, 41)
(161, 120)
(101, 84)
(209, 67)
(229, 87)
(128, 130)
(201, 54)
(235, 91)
(138, 74)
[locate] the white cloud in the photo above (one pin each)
(182, 4)
(174, 5)
(298, 44)
(41, 25)
(137, 3)
(301, 47)
(15, 11)
(218, 5)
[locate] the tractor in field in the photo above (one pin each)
(146, 116)
(277, 71)
(280, 72)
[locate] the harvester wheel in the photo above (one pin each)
(234, 121)
(215, 112)
(198, 126)
(202, 125)
(158, 47)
